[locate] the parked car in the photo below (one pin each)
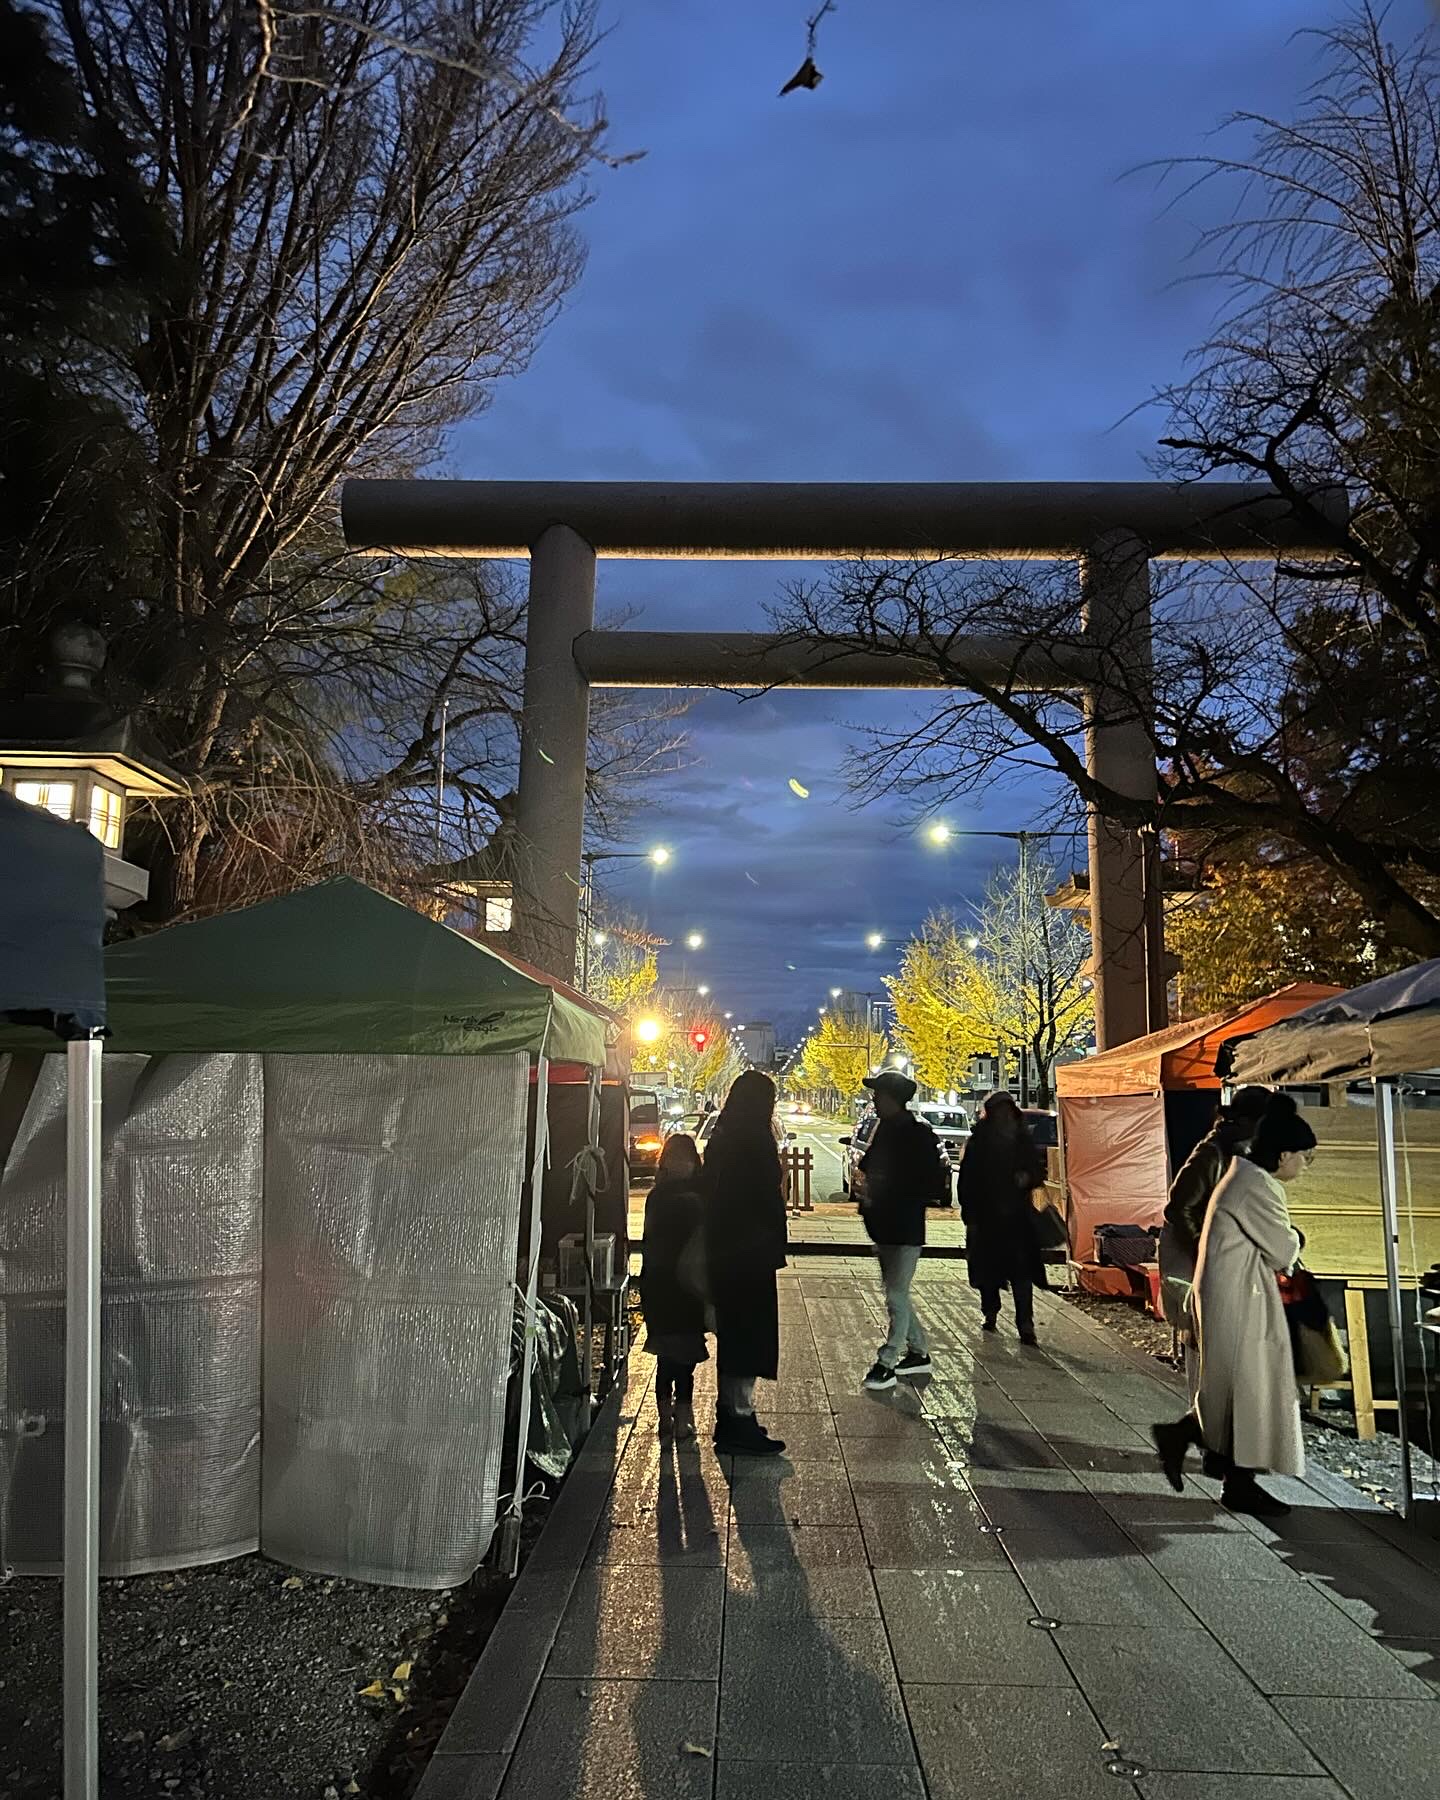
(645, 1135)
(1044, 1126)
(950, 1125)
(852, 1148)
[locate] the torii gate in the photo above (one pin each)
(1113, 530)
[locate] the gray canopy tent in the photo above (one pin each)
(1383, 1032)
(52, 923)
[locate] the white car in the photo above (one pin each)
(949, 1124)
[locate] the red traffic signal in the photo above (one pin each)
(699, 1038)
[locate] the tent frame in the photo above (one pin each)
(81, 1625)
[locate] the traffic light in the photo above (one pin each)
(699, 1038)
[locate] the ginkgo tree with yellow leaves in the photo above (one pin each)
(1010, 982)
(948, 1006)
(839, 1053)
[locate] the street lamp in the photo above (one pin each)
(658, 854)
(702, 990)
(875, 941)
(648, 1031)
(941, 834)
(835, 993)
(695, 941)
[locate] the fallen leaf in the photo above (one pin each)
(176, 1740)
(352, 1786)
(375, 1691)
(401, 1671)
(292, 1581)
(133, 1737)
(795, 788)
(696, 1749)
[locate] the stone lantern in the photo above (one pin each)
(64, 749)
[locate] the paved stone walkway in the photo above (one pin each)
(831, 1227)
(977, 1590)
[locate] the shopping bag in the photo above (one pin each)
(1319, 1355)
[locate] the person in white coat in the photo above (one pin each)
(1246, 1398)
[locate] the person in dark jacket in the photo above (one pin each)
(745, 1244)
(904, 1171)
(1001, 1170)
(674, 1311)
(1190, 1195)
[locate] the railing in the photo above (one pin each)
(797, 1165)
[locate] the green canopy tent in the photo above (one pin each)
(375, 1156)
(335, 969)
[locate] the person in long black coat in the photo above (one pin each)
(1000, 1172)
(745, 1243)
(674, 1310)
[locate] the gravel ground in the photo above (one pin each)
(246, 1680)
(1373, 1467)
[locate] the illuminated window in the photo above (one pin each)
(56, 797)
(107, 810)
(499, 913)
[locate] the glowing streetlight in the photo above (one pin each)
(695, 941)
(648, 1031)
(972, 943)
(600, 937)
(875, 941)
(702, 990)
(938, 833)
(835, 993)
(729, 1015)
(660, 855)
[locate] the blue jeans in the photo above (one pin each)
(898, 1263)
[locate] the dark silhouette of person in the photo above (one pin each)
(745, 1244)
(1001, 1170)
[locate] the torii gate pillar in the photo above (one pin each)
(1112, 529)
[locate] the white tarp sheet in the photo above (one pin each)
(179, 1319)
(392, 1203)
(376, 1199)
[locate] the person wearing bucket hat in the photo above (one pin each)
(904, 1171)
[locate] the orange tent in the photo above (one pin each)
(1130, 1116)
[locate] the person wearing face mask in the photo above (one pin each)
(1246, 1397)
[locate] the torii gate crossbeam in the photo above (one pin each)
(1112, 529)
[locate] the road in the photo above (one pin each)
(822, 1137)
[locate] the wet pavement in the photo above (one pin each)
(977, 1586)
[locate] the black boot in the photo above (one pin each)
(741, 1434)
(1173, 1439)
(1242, 1493)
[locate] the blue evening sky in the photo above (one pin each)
(935, 267)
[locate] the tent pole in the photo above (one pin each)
(81, 1634)
(1390, 1213)
(509, 1557)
